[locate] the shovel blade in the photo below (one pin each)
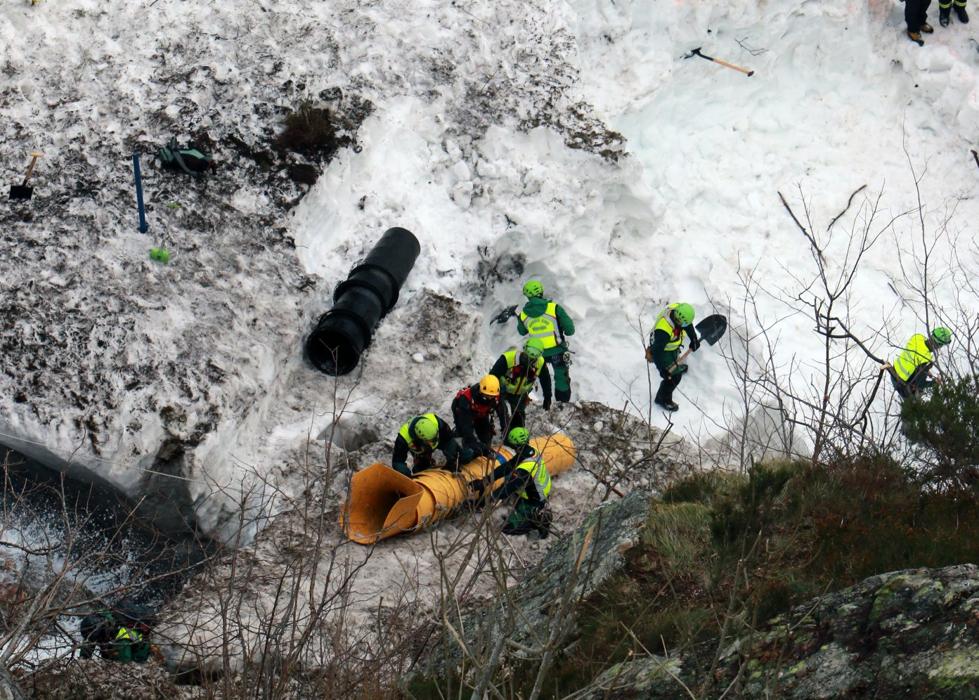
(712, 328)
(21, 192)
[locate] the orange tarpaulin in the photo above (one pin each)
(384, 503)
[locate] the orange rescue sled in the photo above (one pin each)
(384, 503)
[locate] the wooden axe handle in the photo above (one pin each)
(747, 72)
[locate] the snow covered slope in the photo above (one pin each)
(565, 140)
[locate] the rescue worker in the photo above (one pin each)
(518, 371)
(121, 634)
(915, 16)
(524, 475)
(547, 321)
(130, 645)
(665, 342)
(421, 436)
(910, 371)
(945, 11)
(473, 409)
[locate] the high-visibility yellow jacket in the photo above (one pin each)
(538, 471)
(415, 445)
(915, 354)
(520, 380)
(543, 327)
(665, 323)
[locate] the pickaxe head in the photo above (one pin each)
(695, 52)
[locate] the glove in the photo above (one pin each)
(401, 468)
(679, 370)
(649, 354)
(694, 345)
(547, 403)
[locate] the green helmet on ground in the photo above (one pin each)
(425, 428)
(684, 314)
(518, 437)
(941, 335)
(533, 288)
(534, 349)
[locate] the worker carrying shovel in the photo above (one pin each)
(673, 323)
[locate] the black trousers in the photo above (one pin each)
(915, 12)
(518, 410)
(666, 387)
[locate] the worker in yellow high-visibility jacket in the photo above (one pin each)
(910, 370)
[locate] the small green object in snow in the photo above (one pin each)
(160, 255)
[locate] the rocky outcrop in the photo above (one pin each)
(911, 634)
(542, 606)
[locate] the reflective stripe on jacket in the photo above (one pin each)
(538, 471)
(519, 380)
(664, 322)
(421, 446)
(544, 327)
(131, 635)
(915, 354)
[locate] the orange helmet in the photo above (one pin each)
(489, 385)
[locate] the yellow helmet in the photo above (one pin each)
(489, 385)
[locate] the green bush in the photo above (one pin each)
(945, 424)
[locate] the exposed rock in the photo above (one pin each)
(572, 570)
(911, 634)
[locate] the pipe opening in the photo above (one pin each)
(332, 351)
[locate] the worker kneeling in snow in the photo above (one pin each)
(421, 436)
(525, 475)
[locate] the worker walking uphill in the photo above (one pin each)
(519, 370)
(473, 409)
(421, 436)
(665, 342)
(525, 475)
(910, 371)
(545, 320)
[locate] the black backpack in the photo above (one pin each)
(190, 160)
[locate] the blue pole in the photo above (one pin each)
(143, 226)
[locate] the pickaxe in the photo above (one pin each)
(696, 52)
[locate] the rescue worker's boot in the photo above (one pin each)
(521, 520)
(543, 522)
(961, 13)
(668, 405)
(944, 15)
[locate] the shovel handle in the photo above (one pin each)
(30, 169)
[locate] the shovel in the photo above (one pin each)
(696, 52)
(23, 191)
(710, 331)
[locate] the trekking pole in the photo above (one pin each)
(143, 226)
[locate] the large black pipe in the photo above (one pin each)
(359, 302)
